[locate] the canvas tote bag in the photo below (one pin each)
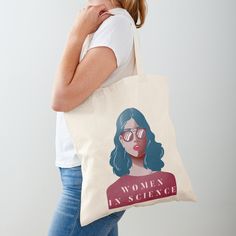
(127, 144)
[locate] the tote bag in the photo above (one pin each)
(126, 140)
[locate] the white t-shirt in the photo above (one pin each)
(116, 33)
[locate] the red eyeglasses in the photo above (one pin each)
(128, 134)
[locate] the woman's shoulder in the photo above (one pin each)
(117, 22)
(115, 32)
(118, 19)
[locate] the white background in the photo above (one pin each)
(190, 41)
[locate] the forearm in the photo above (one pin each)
(70, 59)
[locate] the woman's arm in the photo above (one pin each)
(74, 80)
(67, 66)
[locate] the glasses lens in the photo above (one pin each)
(140, 133)
(128, 135)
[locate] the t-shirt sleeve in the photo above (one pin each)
(116, 33)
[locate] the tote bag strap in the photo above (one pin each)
(138, 60)
(136, 39)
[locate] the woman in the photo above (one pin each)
(136, 159)
(136, 152)
(99, 52)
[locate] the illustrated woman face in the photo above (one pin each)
(133, 138)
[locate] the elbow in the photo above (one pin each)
(65, 100)
(63, 103)
(60, 107)
(58, 102)
(56, 107)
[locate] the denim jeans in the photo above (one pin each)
(66, 218)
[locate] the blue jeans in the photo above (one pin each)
(66, 218)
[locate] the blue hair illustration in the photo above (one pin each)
(120, 160)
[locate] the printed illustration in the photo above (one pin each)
(137, 161)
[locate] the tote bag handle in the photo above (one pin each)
(138, 61)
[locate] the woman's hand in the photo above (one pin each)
(90, 18)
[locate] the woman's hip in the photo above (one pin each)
(66, 219)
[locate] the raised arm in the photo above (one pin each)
(74, 80)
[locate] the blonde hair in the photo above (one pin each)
(136, 8)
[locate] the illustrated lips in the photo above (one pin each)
(136, 147)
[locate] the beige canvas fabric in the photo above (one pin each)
(113, 162)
